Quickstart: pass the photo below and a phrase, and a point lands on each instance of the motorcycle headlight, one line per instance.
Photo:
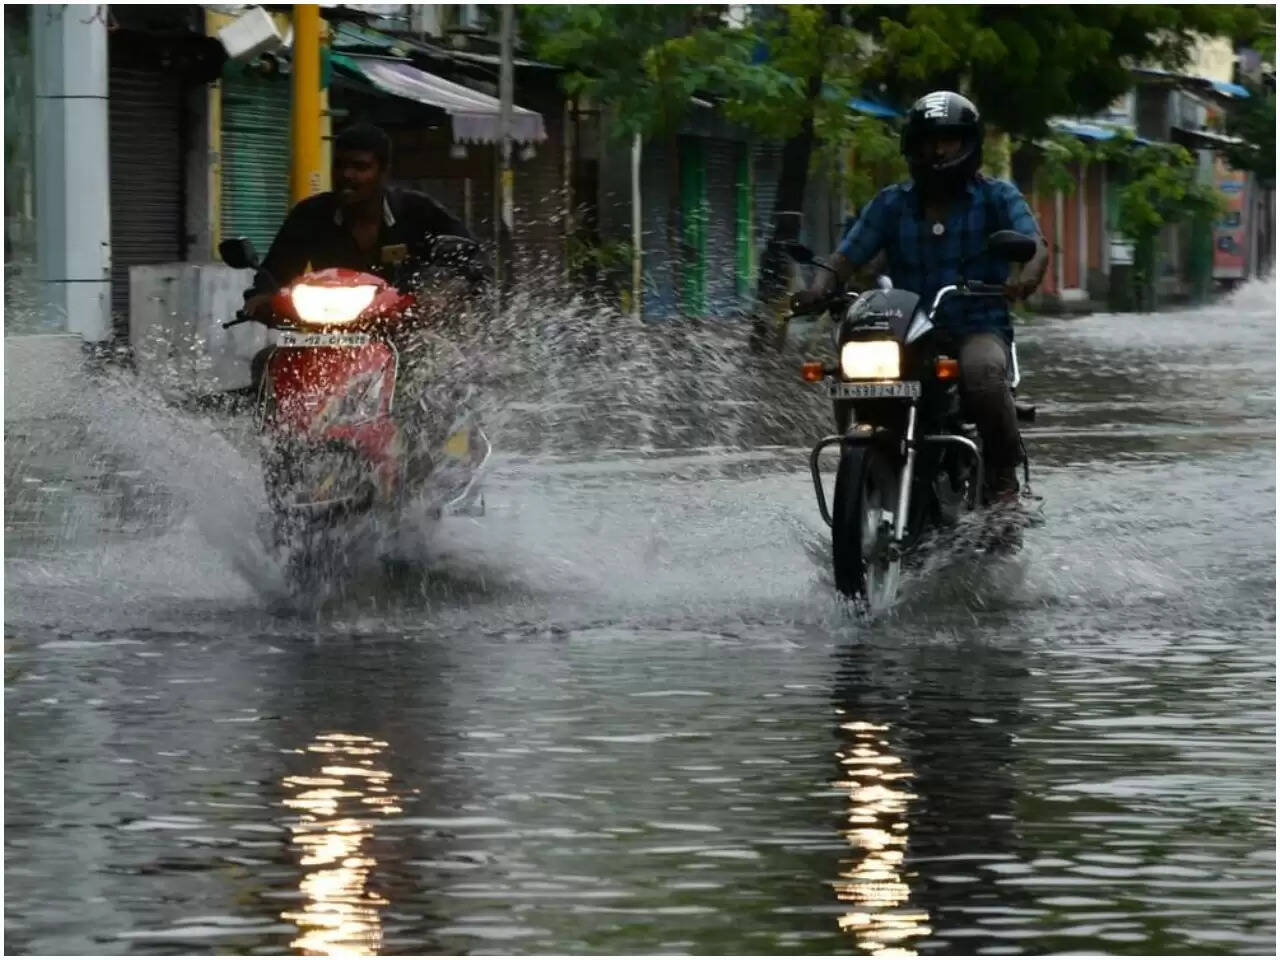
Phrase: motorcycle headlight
(331, 306)
(870, 360)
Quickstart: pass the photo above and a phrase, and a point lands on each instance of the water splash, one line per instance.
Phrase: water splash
(573, 382)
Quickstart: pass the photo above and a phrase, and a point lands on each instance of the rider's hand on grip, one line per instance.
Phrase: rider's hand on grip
(258, 307)
(807, 301)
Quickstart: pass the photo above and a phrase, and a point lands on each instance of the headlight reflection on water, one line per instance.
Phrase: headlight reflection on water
(340, 916)
(881, 920)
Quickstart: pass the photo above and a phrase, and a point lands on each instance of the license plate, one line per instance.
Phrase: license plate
(288, 338)
(902, 389)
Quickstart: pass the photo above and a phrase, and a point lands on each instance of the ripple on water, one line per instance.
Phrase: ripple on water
(625, 712)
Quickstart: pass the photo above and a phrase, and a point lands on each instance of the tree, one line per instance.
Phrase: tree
(615, 55)
(646, 63)
(1157, 185)
(1025, 63)
(788, 74)
(1254, 121)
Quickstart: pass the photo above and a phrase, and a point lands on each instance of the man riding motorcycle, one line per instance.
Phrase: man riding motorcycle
(922, 231)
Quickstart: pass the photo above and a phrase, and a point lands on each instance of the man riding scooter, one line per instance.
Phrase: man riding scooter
(362, 224)
(923, 230)
(377, 399)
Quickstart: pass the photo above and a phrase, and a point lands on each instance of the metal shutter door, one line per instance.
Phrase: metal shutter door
(145, 113)
(539, 202)
(661, 298)
(768, 164)
(694, 214)
(722, 204)
(255, 156)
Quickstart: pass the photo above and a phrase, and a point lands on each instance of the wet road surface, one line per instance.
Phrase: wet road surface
(623, 713)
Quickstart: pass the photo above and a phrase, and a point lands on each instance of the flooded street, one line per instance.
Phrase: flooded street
(623, 712)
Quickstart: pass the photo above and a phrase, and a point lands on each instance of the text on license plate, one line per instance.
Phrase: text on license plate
(904, 389)
(288, 338)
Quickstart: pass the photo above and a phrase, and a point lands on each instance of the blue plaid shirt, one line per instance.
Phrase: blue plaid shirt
(923, 260)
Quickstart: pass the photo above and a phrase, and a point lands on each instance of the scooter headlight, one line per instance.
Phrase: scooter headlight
(331, 306)
(870, 360)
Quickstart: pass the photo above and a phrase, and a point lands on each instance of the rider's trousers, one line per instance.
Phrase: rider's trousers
(988, 401)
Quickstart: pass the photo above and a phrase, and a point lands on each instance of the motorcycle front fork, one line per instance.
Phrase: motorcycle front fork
(910, 446)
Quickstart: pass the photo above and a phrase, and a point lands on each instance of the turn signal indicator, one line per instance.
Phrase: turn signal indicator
(947, 368)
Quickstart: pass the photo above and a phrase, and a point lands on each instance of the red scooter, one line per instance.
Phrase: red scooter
(351, 437)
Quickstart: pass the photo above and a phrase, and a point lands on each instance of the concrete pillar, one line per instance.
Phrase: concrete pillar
(1082, 226)
(1059, 246)
(73, 235)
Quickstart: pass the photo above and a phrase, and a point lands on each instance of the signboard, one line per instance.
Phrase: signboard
(1230, 255)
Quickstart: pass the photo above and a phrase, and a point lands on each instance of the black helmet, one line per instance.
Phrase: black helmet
(943, 113)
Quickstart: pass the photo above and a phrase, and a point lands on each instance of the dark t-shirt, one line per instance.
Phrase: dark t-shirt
(314, 233)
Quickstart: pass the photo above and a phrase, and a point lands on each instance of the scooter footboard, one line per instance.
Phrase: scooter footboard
(470, 501)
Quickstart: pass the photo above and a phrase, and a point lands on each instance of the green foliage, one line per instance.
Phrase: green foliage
(876, 158)
(1021, 63)
(1026, 63)
(1254, 121)
(996, 155)
(613, 55)
(1157, 183)
(1252, 25)
(611, 257)
(1060, 154)
(648, 61)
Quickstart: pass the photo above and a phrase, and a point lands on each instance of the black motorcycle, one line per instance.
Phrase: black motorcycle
(909, 462)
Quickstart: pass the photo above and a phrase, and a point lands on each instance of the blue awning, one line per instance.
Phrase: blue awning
(1230, 89)
(1085, 131)
(1197, 83)
(1089, 131)
(872, 108)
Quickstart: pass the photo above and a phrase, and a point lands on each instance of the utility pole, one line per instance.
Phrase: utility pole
(73, 228)
(305, 176)
(637, 234)
(505, 198)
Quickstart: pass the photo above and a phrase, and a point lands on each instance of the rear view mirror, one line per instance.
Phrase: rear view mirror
(238, 253)
(1011, 245)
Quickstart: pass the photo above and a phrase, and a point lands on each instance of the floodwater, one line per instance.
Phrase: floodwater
(623, 713)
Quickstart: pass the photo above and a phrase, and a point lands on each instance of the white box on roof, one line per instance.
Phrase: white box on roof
(250, 34)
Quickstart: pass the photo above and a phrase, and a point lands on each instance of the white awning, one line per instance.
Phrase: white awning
(473, 115)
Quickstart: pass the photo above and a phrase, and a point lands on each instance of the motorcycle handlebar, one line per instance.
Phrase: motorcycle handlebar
(972, 288)
(832, 301)
(985, 289)
(242, 317)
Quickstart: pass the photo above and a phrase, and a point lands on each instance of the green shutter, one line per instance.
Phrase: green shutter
(255, 155)
(693, 224)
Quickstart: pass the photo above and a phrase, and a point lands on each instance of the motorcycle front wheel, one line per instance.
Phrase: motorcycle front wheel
(866, 497)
